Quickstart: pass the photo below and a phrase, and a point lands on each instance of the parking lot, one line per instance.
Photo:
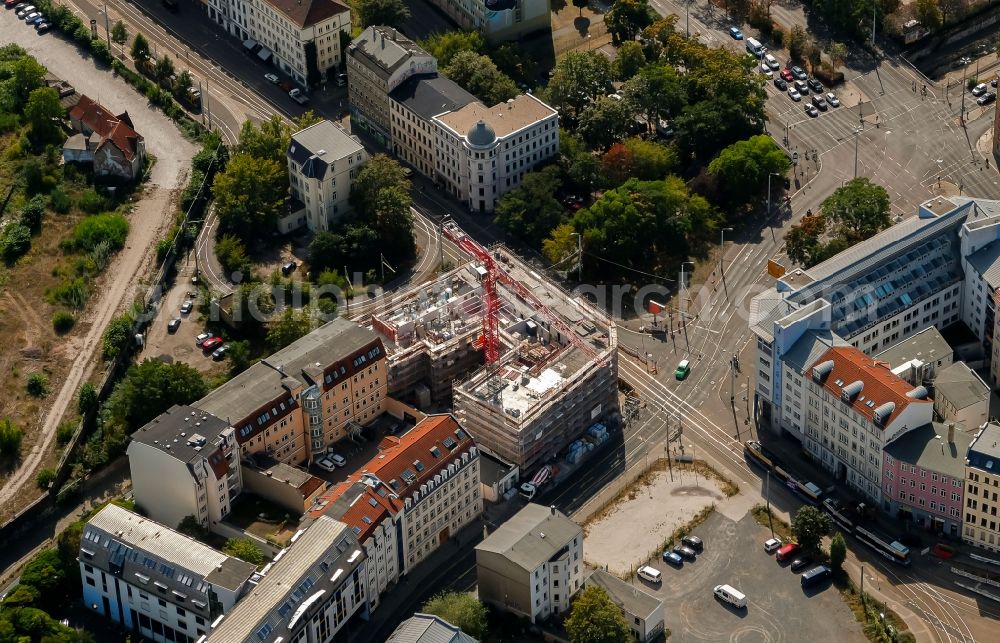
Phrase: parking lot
(777, 607)
(357, 452)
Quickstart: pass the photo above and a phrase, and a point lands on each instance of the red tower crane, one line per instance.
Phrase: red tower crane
(490, 340)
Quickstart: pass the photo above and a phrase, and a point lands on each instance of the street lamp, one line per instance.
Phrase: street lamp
(107, 29)
(722, 257)
(684, 283)
(579, 256)
(857, 132)
(770, 174)
(694, 464)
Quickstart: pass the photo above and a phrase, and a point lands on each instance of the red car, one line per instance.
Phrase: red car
(211, 343)
(786, 73)
(786, 551)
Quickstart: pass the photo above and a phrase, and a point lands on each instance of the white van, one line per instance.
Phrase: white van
(651, 574)
(731, 595)
(771, 62)
(754, 47)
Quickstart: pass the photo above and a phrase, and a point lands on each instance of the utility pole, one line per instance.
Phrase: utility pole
(204, 97)
(441, 245)
(769, 205)
(208, 105)
(857, 132)
(722, 258)
(107, 29)
(767, 497)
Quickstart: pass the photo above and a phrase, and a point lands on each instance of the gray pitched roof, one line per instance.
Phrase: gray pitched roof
(960, 385)
(629, 598)
(921, 447)
(319, 145)
(928, 346)
(986, 261)
(532, 536)
(426, 628)
(807, 350)
(383, 49)
(429, 95)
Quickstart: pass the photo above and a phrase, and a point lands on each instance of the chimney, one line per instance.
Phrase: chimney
(553, 509)
(951, 433)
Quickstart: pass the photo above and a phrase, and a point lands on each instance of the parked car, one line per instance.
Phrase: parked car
(731, 595)
(815, 576)
(650, 574)
(338, 459)
(986, 98)
(685, 552)
(771, 544)
(298, 96)
(802, 86)
(342, 81)
(766, 71)
(220, 352)
(32, 18)
(736, 33)
(800, 563)
(288, 268)
(772, 62)
(187, 306)
(811, 110)
(794, 94)
(211, 344)
(326, 464)
(786, 551)
(24, 10)
(815, 85)
(993, 83)
(271, 78)
(673, 559)
(798, 73)
(173, 325)
(787, 75)
(43, 26)
(781, 84)
(10, 4)
(832, 99)
(200, 339)
(819, 102)
(979, 89)
(693, 542)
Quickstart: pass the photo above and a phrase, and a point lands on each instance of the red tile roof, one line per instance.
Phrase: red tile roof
(116, 130)
(880, 385)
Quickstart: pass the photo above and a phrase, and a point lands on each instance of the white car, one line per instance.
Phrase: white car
(200, 339)
(271, 78)
(326, 464)
(979, 89)
(187, 306)
(794, 94)
(764, 69)
(615, 96)
(771, 544)
(833, 100)
(337, 459)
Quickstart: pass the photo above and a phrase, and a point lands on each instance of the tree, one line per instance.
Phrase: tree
(140, 48)
(46, 573)
(744, 167)
(809, 526)
(798, 42)
(657, 92)
(561, 243)
(68, 543)
(461, 610)
(480, 76)
(164, 67)
(38, 385)
(445, 46)
(150, 388)
(249, 195)
(838, 553)
(184, 83)
(617, 165)
(238, 356)
(738, 10)
(190, 526)
(381, 197)
(578, 78)
(232, 254)
(802, 240)
(651, 161)
(581, 4)
(392, 13)
(15, 241)
(23, 75)
(117, 335)
(838, 54)
(244, 549)
(87, 399)
(287, 328)
(10, 438)
(43, 111)
(929, 14)
(630, 60)
(269, 140)
(627, 18)
(530, 211)
(45, 478)
(33, 212)
(606, 121)
(119, 34)
(594, 618)
(860, 209)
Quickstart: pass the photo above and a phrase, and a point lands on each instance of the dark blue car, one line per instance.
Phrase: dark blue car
(736, 33)
(673, 559)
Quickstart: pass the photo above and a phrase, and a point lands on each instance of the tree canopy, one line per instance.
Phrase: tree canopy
(627, 18)
(657, 92)
(859, 208)
(594, 618)
(445, 46)
(809, 526)
(461, 610)
(290, 326)
(578, 78)
(249, 195)
(606, 121)
(151, 387)
(392, 13)
(381, 199)
(743, 167)
(530, 211)
(244, 549)
(838, 552)
(43, 110)
(479, 75)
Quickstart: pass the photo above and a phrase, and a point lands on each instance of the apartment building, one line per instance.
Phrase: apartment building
(498, 19)
(323, 161)
(982, 487)
(155, 582)
(307, 593)
(532, 565)
(484, 152)
(923, 477)
(290, 406)
(413, 105)
(408, 500)
(427, 628)
(856, 406)
(961, 396)
(379, 60)
(642, 610)
(186, 462)
(293, 35)
(923, 271)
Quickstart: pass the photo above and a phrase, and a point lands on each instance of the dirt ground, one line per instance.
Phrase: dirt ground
(624, 537)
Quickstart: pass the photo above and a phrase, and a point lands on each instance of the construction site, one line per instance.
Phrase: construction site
(524, 365)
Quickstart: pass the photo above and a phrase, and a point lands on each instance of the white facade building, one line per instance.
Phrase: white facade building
(323, 161)
(484, 152)
(155, 581)
(282, 31)
(185, 463)
(498, 19)
(412, 107)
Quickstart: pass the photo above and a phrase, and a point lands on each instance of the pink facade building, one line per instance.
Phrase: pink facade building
(923, 477)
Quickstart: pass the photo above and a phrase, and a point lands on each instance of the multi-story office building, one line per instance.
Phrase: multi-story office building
(498, 19)
(922, 477)
(323, 161)
(294, 35)
(306, 594)
(982, 489)
(292, 406)
(484, 152)
(378, 61)
(931, 269)
(854, 407)
(413, 105)
(409, 499)
(154, 581)
(532, 565)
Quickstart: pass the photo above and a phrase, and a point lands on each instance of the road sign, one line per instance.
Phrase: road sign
(775, 269)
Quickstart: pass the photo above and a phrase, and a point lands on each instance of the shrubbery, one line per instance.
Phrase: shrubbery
(92, 231)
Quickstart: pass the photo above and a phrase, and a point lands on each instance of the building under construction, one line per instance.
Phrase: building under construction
(556, 368)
